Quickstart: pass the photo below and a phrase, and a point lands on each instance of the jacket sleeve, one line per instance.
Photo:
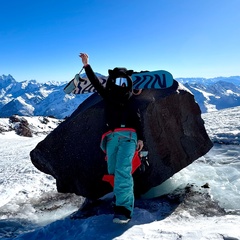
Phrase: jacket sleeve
(95, 81)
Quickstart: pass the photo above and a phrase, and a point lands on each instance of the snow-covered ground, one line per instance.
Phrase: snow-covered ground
(31, 208)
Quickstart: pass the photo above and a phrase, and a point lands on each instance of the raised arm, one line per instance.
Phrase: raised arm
(91, 75)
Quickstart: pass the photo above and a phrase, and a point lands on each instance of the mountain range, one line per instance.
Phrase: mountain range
(31, 98)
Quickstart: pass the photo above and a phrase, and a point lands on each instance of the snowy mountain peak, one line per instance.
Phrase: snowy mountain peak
(208, 81)
(6, 80)
(48, 99)
(215, 93)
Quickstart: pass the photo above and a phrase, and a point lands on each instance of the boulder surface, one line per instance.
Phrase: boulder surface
(174, 136)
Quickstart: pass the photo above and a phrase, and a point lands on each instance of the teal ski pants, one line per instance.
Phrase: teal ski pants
(120, 149)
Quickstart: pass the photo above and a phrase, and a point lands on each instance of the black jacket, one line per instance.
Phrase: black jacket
(120, 108)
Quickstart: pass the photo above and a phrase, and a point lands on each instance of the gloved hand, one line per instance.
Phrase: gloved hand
(85, 58)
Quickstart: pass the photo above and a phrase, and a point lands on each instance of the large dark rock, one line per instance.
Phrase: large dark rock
(174, 134)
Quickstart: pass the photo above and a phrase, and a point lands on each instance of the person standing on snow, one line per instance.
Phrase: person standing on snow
(124, 134)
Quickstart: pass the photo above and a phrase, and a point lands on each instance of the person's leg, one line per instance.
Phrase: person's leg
(111, 151)
(123, 183)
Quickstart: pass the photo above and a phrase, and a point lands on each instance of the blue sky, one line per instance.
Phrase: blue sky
(190, 38)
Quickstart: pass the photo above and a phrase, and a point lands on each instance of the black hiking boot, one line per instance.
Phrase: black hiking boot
(121, 215)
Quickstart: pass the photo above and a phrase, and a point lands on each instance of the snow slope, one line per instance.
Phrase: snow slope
(31, 208)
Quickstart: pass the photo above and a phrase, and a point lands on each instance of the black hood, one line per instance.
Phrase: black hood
(119, 95)
(116, 73)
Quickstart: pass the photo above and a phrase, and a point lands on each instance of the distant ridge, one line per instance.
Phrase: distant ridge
(30, 98)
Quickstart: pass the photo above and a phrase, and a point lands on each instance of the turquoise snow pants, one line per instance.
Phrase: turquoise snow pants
(120, 149)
